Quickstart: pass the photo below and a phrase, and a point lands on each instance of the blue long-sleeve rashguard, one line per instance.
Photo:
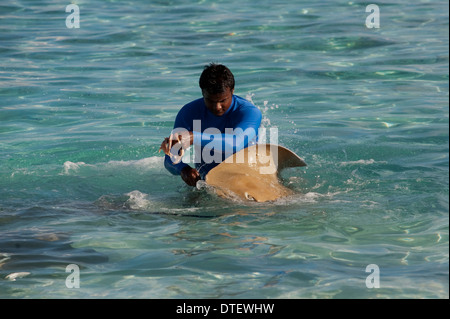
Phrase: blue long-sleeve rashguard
(216, 137)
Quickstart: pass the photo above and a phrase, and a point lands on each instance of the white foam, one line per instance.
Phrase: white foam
(141, 164)
(362, 162)
(265, 121)
(71, 166)
(137, 200)
(15, 275)
(3, 258)
(149, 162)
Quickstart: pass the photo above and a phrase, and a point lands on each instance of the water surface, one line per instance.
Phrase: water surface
(83, 112)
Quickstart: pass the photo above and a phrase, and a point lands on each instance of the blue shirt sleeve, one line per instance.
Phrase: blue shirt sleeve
(174, 169)
(181, 121)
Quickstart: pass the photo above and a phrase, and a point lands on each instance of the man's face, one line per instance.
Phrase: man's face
(218, 103)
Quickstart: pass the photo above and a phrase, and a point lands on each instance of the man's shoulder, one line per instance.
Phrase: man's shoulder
(245, 105)
(189, 112)
(198, 103)
(242, 101)
(192, 108)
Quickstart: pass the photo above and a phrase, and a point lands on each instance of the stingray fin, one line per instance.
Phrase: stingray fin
(252, 173)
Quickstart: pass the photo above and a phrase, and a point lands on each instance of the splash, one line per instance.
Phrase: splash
(137, 201)
(69, 167)
(265, 121)
(14, 276)
(142, 164)
(362, 162)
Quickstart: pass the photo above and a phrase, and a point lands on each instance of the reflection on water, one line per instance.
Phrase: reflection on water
(32, 249)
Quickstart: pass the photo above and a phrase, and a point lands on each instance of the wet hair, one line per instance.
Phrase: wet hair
(216, 78)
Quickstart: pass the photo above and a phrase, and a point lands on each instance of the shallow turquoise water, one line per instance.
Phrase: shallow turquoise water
(83, 112)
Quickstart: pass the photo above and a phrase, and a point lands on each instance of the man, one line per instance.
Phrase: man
(218, 125)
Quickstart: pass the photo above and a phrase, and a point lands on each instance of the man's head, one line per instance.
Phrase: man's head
(217, 84)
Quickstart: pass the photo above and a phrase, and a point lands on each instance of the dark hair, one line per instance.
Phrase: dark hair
(216, 78)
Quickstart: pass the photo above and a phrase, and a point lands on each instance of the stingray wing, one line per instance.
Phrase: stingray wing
(252, 173)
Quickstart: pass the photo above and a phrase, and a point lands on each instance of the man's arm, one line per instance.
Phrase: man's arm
(189, 175)
(182, 121)
(174, 169)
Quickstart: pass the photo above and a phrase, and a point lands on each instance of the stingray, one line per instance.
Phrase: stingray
(253, 173)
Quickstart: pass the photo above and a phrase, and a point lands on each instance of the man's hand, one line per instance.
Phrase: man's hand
(184, 139)
(190, 175)
(165, 146)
